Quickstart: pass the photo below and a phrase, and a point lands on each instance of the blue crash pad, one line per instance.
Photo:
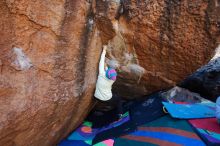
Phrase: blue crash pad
(190, 111)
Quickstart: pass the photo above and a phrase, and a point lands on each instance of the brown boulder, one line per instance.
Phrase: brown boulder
(50, 52)
(170, 39)
(49, 56)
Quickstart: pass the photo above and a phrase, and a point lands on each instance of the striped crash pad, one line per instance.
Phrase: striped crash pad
(164, 131)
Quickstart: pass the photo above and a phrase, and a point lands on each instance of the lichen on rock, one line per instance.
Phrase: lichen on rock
(21, 62)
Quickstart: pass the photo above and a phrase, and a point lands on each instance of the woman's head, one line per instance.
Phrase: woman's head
(111, 74)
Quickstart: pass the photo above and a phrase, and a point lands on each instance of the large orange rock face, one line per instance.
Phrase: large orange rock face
(170, 39)
(49, 55)
(50, 52)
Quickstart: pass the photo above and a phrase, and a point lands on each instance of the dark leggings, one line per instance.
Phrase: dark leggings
(115, 102)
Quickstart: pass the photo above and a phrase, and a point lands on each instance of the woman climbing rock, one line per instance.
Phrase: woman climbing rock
(106, 78)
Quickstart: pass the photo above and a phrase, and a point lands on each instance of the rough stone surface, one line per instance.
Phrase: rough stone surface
(48, 70)
(50, 52)
(206, 80)
(170, 39)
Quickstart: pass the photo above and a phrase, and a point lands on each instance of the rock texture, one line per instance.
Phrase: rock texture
(48, 70)
(50, 52)
(206, 80)
(170, 39)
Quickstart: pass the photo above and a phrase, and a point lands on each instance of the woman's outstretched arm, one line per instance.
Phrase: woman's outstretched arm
(102, 61)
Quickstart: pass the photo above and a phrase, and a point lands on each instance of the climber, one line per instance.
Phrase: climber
(106, 78)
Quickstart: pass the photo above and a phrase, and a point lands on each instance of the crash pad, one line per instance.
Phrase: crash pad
(86, 132)
(83, 132)
(208, 129)
(73, 143)
(182, 96)
(108, 142)
(147, 110)
(116, 129)
(163, 131)
(190, 111)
